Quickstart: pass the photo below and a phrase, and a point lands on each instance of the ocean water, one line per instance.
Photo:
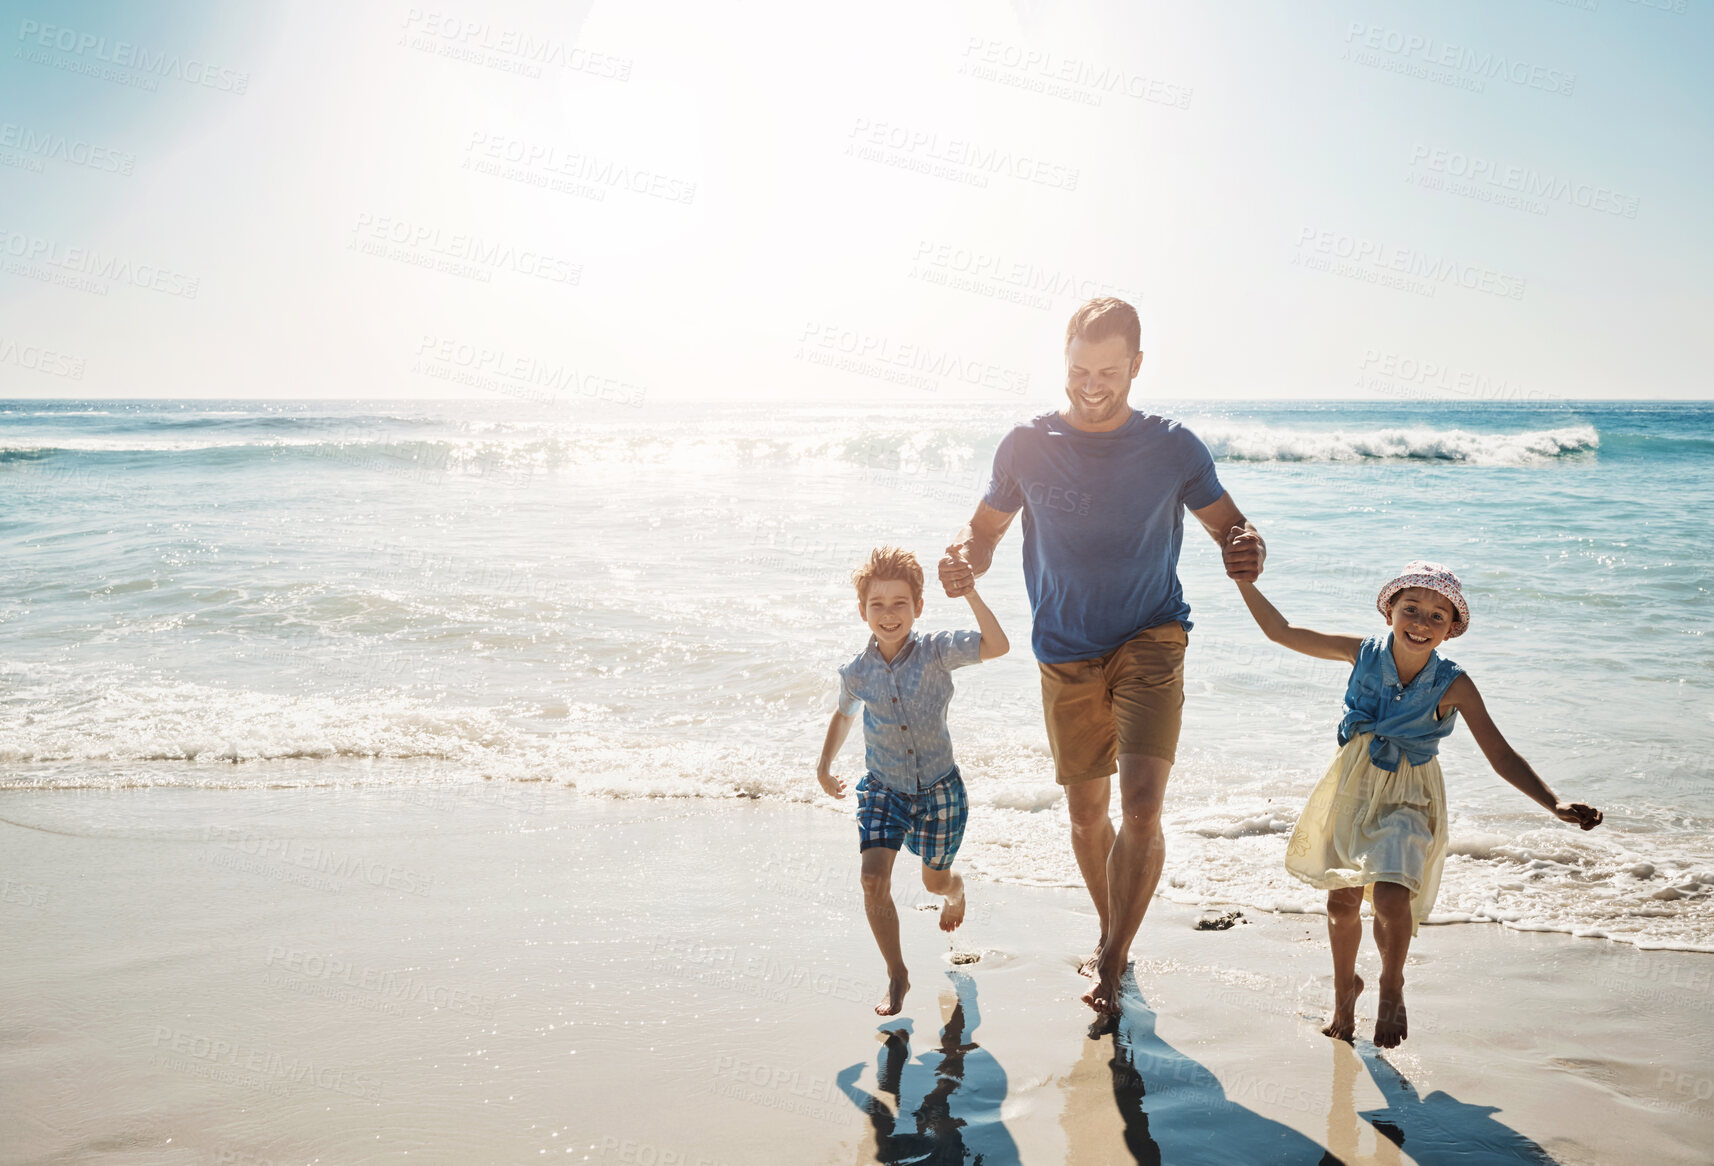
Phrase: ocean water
(633, 603)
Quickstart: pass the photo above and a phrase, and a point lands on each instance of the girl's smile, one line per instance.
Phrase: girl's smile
(1421, 619)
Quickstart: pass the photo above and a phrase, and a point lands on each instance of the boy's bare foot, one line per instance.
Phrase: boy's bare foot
(894, 1000)
(1343, 1026)
(952, 912)
(1391, 1026)
(1104, 996)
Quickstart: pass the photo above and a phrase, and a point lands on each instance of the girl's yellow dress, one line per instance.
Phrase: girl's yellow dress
(1365, 824)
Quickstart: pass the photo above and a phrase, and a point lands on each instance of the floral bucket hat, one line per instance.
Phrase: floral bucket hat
(1435, 577)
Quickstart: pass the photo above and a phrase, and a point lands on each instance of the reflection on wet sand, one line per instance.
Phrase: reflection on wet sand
(1171, 1107)
(962, 1088)
(1349, 1141)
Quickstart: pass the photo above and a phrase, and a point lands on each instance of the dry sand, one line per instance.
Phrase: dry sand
(523, 974)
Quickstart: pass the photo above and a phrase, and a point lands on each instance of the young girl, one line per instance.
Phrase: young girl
(1375, 826)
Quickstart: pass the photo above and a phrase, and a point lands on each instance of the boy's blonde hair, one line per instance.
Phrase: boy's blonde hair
(889, 563)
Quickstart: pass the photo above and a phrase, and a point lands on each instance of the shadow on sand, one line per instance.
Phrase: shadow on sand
(1172, 1108)
(961, 1085)
(1433, 1130)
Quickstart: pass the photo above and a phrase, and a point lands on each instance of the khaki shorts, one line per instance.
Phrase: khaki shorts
(1129, 701)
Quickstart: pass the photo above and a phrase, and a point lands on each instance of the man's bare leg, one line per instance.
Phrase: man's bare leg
(1133, 870)
(884, 922)
(1092, 842)
(1392, 936)
(946, 882)
(1344, 934)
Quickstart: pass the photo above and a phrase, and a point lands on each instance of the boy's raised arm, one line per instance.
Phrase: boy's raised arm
(1322, 645)
(994, 641)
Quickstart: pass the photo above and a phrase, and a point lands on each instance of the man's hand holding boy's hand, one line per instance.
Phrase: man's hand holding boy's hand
(956, 573)
(1588, 817)
(830, 783)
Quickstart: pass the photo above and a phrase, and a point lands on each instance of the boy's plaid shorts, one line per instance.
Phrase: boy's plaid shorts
(929, 823)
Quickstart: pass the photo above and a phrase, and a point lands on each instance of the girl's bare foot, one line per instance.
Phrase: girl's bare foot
(894, 1000)
(1343, 1026)
(952, 912)
(1390, 1022)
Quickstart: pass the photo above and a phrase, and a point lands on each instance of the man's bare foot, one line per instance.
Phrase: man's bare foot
(1391, 1026)
(1092, 962)
(1343, 1026)
(1104, 996)
(952, 912)
(894, 1000)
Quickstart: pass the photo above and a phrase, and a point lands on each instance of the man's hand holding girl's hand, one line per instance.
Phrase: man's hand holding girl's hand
(1243, 553)
(1587, 817)
(830, 783)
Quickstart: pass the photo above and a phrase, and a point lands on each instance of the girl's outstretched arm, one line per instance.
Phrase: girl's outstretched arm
(1506, 761)
(1322, 645)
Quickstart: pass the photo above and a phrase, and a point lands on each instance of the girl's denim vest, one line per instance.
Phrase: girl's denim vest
(1402, 717)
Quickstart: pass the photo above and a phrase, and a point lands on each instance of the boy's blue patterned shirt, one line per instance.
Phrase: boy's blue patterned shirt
(906, 743)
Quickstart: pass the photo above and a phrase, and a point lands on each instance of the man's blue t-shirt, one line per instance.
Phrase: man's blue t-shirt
(1103, 523)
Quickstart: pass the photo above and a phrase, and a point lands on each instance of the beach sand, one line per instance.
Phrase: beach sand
(522, 973)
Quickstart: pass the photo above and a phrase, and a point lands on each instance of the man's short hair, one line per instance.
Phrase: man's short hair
(889, 563)
(1103, 319)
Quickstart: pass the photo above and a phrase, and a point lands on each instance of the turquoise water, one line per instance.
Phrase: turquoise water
(652, 603)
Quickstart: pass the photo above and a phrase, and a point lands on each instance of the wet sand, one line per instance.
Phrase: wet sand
(520, 973)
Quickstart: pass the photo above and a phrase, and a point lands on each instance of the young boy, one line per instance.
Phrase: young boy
(912, 793)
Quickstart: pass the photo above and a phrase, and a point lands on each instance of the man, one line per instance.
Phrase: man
(1103, 489)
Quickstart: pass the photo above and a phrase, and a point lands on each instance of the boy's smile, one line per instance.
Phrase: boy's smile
(890, 611)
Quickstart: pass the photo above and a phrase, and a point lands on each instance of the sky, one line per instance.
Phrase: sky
(761, 200)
